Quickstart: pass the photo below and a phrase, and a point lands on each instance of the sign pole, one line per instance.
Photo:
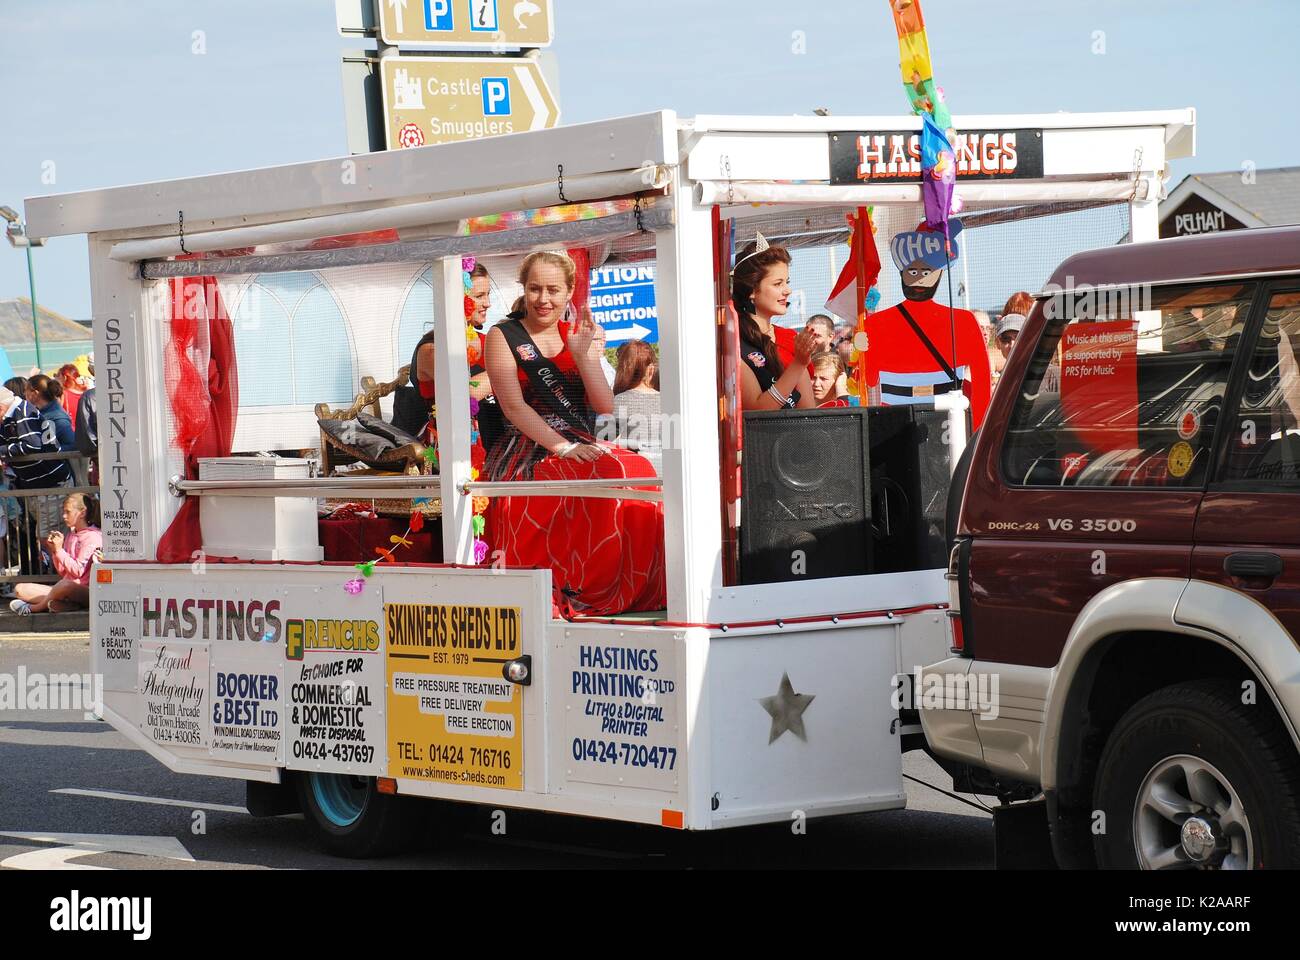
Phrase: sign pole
(36, 326)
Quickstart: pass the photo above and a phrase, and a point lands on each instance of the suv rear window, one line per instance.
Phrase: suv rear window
(1263, 443)
(1126, 386)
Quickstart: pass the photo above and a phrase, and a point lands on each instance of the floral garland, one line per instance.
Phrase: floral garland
(478, 522)
(478, 455)
(871, 301)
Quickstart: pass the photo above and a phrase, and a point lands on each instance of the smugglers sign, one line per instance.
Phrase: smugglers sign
(440, 99)
(894, 156)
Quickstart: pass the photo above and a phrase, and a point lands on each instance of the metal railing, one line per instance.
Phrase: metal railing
(29, 516)
(370, 487)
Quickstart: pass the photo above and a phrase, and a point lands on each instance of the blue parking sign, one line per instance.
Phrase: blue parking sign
(496, 97)
(437, 16)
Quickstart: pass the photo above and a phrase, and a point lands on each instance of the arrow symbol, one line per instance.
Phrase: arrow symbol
(398, 7)
(74, 845)
(634, 332)
(540, 103)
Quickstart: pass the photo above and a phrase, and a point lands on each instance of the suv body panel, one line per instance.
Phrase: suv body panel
(1036, 608)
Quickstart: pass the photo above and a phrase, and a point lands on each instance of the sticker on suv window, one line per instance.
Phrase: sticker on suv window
(1189, 425)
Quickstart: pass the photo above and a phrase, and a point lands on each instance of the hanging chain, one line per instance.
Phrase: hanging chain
(560, 167)
(180, 217)
(640, 218)
(726, 172)
(1137, 173)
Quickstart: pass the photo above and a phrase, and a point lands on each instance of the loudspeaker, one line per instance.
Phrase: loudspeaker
(911, 469)
(805, 495)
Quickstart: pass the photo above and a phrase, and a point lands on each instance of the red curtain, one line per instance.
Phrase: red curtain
(581, 258)
(203, 387)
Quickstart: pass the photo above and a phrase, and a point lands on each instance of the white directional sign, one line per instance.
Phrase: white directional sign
(466, 23)
(441, 99)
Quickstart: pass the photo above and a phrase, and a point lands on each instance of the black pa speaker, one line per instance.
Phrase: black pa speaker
(806, 495)
(911, 470)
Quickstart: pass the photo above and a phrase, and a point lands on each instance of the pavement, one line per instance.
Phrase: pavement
(77, 621)
(74, 791)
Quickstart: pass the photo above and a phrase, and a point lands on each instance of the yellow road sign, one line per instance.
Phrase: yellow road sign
(466, 23)
(440, 99)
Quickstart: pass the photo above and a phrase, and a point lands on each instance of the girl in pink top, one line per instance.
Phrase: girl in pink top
(73, 556)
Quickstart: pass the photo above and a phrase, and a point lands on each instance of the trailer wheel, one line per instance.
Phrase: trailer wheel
(350, 817)
(1193, 779)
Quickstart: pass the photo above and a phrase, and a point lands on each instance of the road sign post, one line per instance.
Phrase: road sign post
(441, 99)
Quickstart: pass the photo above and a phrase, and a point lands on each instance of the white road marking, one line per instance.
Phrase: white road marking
(73, 845)
(160, 801)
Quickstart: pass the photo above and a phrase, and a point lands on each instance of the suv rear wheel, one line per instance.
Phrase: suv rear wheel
(1193, 778)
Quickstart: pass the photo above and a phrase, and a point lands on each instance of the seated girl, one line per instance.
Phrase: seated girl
(606, 556)
(760, 290)
(73, 556)
(827, 377)
(413, 407)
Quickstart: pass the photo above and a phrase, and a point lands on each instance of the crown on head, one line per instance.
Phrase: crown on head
(760, 244)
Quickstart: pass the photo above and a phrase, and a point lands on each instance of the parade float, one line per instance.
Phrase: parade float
(235, 641)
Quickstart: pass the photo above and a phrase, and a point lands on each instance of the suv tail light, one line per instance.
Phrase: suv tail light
(958, 636)
(958, 568)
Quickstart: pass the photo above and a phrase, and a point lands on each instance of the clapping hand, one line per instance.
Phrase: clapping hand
(805, 344)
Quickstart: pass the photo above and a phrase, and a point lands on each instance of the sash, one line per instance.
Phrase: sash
(929, 345)
(547, 379)
(756, 360)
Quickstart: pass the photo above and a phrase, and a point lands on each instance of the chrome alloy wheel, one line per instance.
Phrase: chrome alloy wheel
(1187, 816)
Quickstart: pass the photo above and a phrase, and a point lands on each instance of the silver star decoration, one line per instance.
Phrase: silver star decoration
(786, 710)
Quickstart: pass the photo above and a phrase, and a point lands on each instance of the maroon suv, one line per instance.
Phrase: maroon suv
(1126, 561)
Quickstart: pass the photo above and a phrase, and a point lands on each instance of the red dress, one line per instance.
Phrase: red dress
(605, 556)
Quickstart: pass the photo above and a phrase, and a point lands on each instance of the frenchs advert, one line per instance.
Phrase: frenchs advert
(334, 668)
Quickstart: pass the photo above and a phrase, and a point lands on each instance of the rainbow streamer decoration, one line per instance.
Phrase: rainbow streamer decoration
(938, 160)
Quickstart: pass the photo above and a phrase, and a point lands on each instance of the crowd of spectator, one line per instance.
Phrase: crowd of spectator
(48, 534)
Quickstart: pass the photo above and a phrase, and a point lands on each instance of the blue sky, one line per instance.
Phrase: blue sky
(100, 93)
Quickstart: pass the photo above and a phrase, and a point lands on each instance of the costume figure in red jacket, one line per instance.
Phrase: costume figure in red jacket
(898, 359)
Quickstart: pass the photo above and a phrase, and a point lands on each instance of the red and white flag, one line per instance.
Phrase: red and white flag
(843, 301)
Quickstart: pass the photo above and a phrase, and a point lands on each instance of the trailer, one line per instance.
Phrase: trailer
(353, 693)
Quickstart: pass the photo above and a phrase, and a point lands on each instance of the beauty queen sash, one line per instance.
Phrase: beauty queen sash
(557, 386)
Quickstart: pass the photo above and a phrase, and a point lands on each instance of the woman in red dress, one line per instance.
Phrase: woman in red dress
(606, 556)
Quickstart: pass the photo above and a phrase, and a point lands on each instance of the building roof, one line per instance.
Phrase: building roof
(16, 324)
(1269, 198)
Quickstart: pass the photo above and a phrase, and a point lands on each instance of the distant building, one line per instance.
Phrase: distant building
(1232, 200)
(62, 339)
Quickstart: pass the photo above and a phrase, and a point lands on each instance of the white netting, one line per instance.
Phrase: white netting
(1002, 249)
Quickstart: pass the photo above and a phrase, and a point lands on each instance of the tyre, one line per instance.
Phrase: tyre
(1192, 778)
(350, 817)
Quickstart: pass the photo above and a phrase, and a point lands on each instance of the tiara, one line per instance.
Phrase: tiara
(760, 244)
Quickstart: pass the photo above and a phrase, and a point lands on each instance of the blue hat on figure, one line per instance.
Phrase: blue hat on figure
(925, 245)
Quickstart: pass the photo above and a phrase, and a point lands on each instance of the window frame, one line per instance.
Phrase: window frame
(1262, 287)
(1237, 384)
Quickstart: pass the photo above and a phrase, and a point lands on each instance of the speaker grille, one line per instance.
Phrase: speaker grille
(806, 506)
(911, 471)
